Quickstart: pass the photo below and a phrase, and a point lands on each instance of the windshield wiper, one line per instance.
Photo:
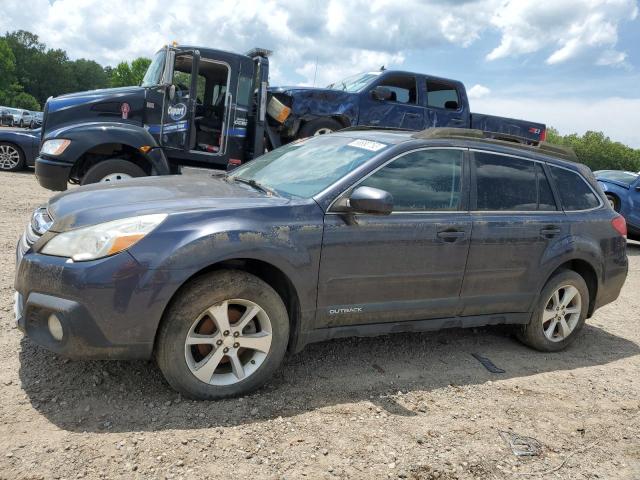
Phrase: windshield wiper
(251, 182)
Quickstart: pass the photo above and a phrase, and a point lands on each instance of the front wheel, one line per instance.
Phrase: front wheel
(112, 170)
(614, 202)
(223, 336)
(11, 157)
(561, 312)
(321, 126)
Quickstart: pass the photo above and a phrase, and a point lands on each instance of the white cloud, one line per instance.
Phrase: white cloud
(478, 91)
(568, 29)
(616, 117)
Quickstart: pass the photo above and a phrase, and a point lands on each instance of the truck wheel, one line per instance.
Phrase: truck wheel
(614, 202)
(561, 312)
(321, 126)
(11, 157)
(223, 336)
(112, 170)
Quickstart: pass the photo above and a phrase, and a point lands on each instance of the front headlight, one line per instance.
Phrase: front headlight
(54, 147)
(102, 240)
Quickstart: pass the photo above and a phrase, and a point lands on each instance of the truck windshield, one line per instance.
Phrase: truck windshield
(154, 72)
(354, 83)
(306, 167)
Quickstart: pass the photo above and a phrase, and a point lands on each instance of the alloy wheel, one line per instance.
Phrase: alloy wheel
(115, 177)
(561, 313)
(9, 157)
(228, 342)
(322, 131)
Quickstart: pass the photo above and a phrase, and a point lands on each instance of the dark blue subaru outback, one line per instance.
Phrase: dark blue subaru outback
(361, 232)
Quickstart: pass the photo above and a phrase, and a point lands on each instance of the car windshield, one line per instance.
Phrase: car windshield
(154, 72)
(306, 167)
(617, 176)
(354, 83)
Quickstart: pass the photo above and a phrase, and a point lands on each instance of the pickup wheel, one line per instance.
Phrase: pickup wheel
(321, 126)
(11, 157)
(561, 312)
(614, 202)
(112, 170)
(224, 335)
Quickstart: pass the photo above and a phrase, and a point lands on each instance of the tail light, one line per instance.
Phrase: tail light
(543, 135)
(233, 163)
(620, 225)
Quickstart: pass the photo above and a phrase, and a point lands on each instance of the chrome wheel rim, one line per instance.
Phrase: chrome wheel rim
(561, 313)
(228, 342)
(115, 177)
(322, 131)
(9, 157)
(612, 202)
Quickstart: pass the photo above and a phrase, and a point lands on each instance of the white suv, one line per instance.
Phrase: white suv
(22, 118)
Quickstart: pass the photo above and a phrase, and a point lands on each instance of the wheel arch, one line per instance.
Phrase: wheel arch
(108, 150)
(588, 272)
(265, 271)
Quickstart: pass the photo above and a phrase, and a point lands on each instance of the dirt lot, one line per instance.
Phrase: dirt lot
(407, 406)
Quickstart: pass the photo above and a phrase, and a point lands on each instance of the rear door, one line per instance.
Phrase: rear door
(405, 266)
(403, 110)
(515, 221)
(446, 104)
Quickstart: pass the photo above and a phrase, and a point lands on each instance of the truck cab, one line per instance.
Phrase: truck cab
(195, 106)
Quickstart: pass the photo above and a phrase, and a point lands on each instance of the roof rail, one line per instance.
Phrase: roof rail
(499, 138)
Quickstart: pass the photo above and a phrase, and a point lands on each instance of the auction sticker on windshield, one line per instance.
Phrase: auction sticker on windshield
(367, 145)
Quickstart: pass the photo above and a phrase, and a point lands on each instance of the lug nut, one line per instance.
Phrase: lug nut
(226, 333)
(236, 334)
(219, 342)
(226, 349)
(236, 345)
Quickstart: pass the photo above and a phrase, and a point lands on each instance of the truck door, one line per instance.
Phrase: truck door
(393, 101)
(180, 99)
(446, 105)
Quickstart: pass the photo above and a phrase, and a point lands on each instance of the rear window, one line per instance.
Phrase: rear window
(508, 183)
(442, 95)
(575, 193)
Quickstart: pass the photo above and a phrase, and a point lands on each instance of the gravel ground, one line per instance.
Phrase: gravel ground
(415, 406)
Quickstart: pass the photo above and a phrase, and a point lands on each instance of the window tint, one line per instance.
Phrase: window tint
(574, 192)
(403, 88)
(424, 180)
(507, 183)
(442, 95)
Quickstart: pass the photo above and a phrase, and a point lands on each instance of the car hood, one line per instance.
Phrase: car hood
(93, 204)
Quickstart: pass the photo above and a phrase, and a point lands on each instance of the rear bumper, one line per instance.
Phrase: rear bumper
(52, 174)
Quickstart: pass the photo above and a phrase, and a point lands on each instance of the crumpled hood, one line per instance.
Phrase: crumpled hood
(318, 101)
(104, 202)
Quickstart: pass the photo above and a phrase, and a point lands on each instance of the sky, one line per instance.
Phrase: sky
(572, 64)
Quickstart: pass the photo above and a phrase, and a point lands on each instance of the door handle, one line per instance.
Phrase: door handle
(413, 115)
(451, 235)
(550, 231)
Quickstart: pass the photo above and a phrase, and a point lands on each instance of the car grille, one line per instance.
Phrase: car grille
(40, 222)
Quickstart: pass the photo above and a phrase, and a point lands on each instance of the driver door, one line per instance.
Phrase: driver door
(179, 103)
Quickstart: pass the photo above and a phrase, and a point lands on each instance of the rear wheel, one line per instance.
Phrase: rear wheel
(224, 335)
(560, 315)
(321, 126)
(112, 170)
(11, 157)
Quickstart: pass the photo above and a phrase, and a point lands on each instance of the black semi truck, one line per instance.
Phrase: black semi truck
(210, 108)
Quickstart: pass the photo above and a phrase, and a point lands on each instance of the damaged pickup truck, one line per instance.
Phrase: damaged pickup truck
(390, 99)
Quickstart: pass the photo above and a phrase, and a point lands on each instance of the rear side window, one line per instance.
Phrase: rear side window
(511, 184)
(442, 95)
(575, 193)
(422, 181)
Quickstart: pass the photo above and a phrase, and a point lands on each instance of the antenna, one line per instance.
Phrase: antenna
(315, 72)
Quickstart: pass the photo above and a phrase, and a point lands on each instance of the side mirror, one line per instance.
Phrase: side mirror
(169, 62)
(381, 93)
(371, 200)
(172, 92)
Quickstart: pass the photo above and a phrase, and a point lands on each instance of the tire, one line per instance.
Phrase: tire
(21, 124)
(11, 157)
(614, 202)
(533, 334)
(321, 126)
(187, 317)
(112, 170)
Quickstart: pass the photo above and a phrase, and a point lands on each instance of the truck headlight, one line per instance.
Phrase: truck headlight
(54, 147)
(102, 240)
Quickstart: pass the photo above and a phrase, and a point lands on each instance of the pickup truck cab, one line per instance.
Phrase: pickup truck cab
(392, 99)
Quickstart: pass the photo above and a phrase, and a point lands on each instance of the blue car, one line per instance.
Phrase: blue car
(623, 192)
(18, 149)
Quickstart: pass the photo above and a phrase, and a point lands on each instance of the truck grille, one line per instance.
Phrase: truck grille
(40, 222)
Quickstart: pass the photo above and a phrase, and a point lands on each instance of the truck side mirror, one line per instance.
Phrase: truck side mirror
(172, 92)
(381, 93)
(371, 200)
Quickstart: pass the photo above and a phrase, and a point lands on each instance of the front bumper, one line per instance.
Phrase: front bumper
(52, 174)
(108, 308)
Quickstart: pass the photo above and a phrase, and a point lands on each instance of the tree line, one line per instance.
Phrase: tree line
(30, 72)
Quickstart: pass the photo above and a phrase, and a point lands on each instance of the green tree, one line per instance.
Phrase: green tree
(88, 75)
(125, 74)
(7, 66)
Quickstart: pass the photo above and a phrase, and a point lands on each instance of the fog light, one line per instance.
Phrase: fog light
(55, 327)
